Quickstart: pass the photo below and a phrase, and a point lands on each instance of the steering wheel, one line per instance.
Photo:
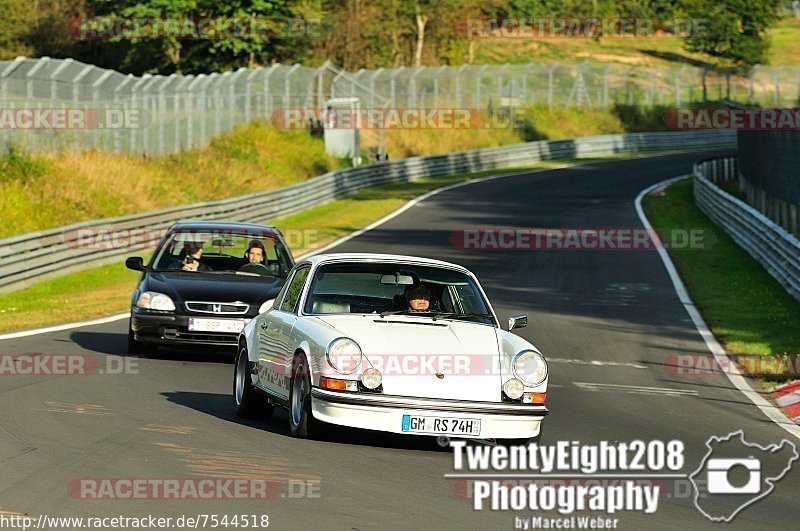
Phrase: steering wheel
(259, 269)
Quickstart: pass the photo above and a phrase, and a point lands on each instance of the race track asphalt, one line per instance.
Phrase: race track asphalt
(608, 320)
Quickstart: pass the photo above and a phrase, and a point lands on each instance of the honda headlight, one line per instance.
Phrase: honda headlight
(530, 367)
(150, 300)
(344, 355)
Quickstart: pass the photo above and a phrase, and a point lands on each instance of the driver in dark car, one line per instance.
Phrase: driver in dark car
(255, 258)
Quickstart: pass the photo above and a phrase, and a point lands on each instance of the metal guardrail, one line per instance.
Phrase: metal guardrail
(775, 248)
(34, 256)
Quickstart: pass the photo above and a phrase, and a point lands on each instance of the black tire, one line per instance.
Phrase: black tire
(302, 423)
(135, 348)
(247, 403)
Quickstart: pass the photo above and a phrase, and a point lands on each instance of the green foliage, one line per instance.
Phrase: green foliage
(15, 17)
(20, 167)
(733, 30)
(366, 33)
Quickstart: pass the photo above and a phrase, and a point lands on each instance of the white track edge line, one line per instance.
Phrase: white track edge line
(67, 326)
(734, 375)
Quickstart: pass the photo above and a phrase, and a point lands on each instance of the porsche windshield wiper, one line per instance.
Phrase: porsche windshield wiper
(440, 315)
(435, 314)
(398, 312)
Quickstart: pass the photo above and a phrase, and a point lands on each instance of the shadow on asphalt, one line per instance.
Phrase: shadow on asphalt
(117, 345)
(102, 342)
(221, 406)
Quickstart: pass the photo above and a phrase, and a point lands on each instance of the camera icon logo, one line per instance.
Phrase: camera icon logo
(718, 481)
(735, 474)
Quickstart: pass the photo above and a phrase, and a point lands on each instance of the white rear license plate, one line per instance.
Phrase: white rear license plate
(231, 326)
(441, 425)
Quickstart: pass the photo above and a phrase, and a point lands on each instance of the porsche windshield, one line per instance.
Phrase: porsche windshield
(223, 251)
(395, 289)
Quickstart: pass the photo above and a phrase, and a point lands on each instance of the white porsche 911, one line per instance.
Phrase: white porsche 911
(391, 343)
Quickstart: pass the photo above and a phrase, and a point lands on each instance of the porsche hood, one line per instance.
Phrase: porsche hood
(420, 357)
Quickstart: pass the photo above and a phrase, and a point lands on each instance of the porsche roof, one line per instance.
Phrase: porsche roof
(375, 257)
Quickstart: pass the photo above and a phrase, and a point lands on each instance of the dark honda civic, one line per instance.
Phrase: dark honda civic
(204, 282)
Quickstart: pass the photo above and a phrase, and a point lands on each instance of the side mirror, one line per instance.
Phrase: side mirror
(266, 306)
(136, 263)
(517, 321)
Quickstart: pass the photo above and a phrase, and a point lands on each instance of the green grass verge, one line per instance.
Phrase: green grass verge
(106, 290)
(646, 51)
(745, 308)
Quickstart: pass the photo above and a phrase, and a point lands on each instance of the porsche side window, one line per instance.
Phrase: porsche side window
(294, 289)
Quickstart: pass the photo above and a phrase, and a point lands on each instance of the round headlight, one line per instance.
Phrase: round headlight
(371, 378)
(344, 355)
(513, 388)
(266, 306)
(530, 367)
(150, 300)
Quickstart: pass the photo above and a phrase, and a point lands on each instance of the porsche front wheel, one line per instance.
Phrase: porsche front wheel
(302, 423)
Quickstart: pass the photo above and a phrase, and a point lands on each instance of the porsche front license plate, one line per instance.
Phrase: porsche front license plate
(233, 326)
(441, 425)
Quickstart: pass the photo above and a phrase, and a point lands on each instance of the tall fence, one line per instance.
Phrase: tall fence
(48, 104)
(774, 247)
(591, 85)
(30, 257)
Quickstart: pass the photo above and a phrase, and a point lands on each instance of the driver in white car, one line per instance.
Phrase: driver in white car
(418, 297)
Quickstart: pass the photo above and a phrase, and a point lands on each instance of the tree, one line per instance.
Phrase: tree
(201, 36)
(16, 16)
(733, 30)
